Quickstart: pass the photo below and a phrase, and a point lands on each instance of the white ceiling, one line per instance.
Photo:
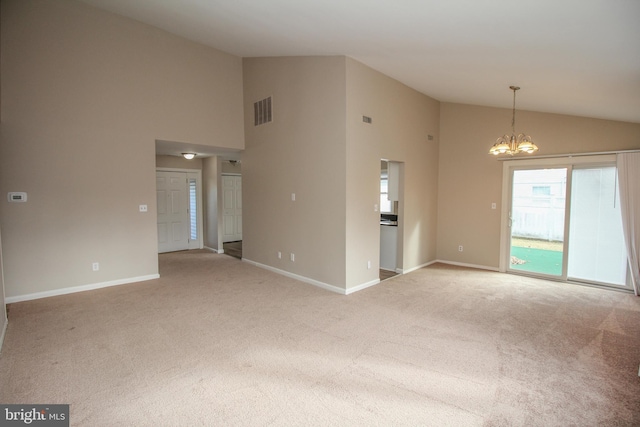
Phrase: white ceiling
(577, 57)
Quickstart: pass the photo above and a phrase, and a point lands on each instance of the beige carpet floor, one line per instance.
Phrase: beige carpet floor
(216, 341)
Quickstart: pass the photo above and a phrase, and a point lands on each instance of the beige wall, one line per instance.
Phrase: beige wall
(229, 168)
(470, 179)
(303, 152)
(402, 120)
(85, 94)
(178, 162)
(319, 148)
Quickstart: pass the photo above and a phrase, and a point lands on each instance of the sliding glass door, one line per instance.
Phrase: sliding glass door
(564, 222)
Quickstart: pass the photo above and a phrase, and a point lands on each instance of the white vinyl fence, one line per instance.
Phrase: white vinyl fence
(538, 205)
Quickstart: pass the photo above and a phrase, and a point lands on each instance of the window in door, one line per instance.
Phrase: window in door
(193, 209)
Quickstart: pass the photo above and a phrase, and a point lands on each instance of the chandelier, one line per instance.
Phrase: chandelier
(513, 144)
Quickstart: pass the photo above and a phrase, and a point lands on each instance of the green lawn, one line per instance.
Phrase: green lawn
(538, 260)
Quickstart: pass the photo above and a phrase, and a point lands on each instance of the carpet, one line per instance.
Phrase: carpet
(216, 341)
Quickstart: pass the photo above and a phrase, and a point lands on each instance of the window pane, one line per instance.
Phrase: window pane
(596, 243)
(385, 204)
(193, 213)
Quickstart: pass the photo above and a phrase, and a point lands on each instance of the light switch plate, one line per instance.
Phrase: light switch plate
(17, 196)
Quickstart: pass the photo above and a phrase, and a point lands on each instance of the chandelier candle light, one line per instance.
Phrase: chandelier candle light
(513, 144)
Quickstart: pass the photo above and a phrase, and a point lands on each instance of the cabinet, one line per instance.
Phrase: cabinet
(388, 247)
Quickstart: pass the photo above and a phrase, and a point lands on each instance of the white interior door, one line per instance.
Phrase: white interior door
(173, 216)
(231, 208)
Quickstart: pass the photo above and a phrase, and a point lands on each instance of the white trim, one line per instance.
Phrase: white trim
(554, 156)
(463, 264)
(300, 278)
(166, 169)
(561, 161)
(418, 267)
(218, 251)
(81, 288)
(4, 332)
(362, 286)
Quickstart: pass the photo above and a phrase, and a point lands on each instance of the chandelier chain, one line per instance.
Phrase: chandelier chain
(513, 117)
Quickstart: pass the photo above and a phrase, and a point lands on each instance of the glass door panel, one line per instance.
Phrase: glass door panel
(596, 243)
(537, 221)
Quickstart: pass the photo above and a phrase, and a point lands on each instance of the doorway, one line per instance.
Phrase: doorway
(391, 190)
(563, 222)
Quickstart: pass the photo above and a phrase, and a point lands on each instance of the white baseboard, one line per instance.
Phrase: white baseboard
(74, 289)
(462, 264)
(362, 286)
(4, 331)
(300, 278)
(418, 267)
(218, 251)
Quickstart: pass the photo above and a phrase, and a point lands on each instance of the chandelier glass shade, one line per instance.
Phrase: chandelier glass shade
(513, 144)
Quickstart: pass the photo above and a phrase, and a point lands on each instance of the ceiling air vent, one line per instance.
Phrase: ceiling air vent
(262, 112)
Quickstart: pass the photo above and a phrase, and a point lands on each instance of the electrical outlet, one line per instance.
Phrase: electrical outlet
(293, 197)
(493, 205)
(95, 266)
(460, 248)
(293, 257)
(143, 208)
(279, 255)
(369, 264)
